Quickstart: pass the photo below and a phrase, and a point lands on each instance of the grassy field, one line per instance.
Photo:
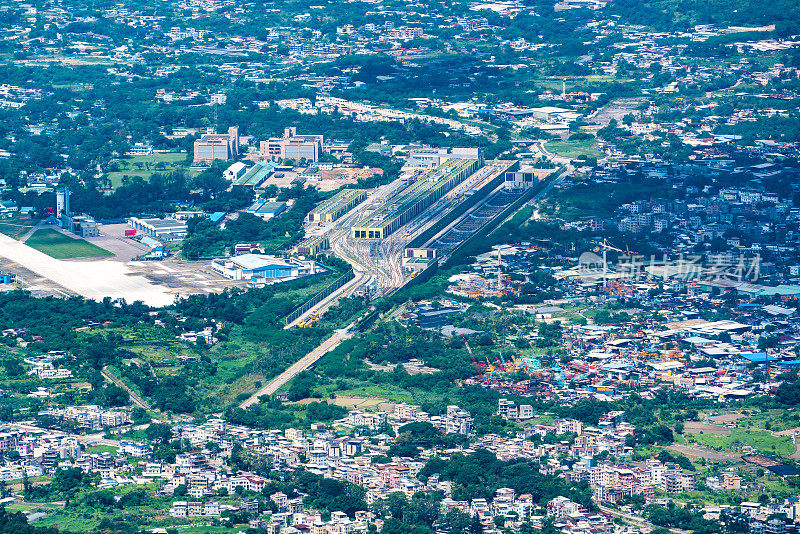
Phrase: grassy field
(69, 521)
(99, 449)
(144, 166)
(761, 440)
(574, 149)
(60, 246)
(774, 420)
(16, 226)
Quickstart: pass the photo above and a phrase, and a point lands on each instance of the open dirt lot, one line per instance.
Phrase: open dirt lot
(726, 418)
(616, 109)
(411, 368)
(336, 178)
(184, 277)
(694, 452)
(362, 403)
(695, 427)
(38, 285)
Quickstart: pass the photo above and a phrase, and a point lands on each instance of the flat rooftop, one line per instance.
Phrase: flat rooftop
(164, 223)
(414, 192)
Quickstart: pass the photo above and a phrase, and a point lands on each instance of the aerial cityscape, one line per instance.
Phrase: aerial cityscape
(400, 267)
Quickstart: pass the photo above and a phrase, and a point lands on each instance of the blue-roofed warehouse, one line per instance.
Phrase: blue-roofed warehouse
(258, 268)
(758, 357)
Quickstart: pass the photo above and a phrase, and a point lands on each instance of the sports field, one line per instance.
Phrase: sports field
(62, 247)
(145, 166)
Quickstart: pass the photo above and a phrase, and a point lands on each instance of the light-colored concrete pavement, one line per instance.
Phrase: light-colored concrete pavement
(91, 279)
(323, 305)
(300, 365)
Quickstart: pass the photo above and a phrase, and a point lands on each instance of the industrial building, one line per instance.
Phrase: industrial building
(82, 225)
(157, 250)
(313, 245)
(433, 157)
(217, 146)
(414, 198)
(261, 269)
(266, 209)
(337, 205)
(256, 174)
(525, 178)
(418, 259)
(339, 148)
(235, 171)
(161, 229)
(292, 146)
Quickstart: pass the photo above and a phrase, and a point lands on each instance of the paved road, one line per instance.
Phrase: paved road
(108, 375)
(300, 365)
(30, 232)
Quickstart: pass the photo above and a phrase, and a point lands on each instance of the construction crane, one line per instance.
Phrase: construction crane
(532, 364)
(500, 268)
(606, 247)
(481, 370)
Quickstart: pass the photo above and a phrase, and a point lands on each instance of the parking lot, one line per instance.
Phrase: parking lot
(112, 238)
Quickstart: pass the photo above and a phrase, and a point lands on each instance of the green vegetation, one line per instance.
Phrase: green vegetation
(144, 167)
(99, 449)
(59, 246)
(762, 441)
(171, 375)
(601, 199)
(16, 226)
(683, 518)
(17, 523)
(206, 239)
(574, 149)
(480, 474)
(124, 510)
